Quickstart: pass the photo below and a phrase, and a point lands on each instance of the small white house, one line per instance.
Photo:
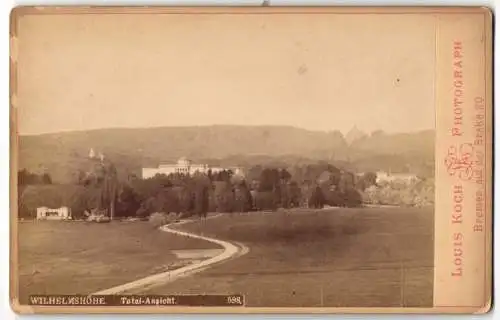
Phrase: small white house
(44, 213)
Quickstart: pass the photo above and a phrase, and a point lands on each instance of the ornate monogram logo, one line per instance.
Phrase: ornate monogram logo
(459, 161)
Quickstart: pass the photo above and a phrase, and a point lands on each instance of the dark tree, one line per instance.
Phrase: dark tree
(269, 179)
(46, 179)
(151, 187)
(108, 181)
(346, 181)
(370, 179)
(264, 200)
(224, 175)
(297, 173)
(254, 173)
(24, 177)
(317, 199)
(243, 197)
(166, 201)
(224, 196)
(265, 181)
(146, 207)
(128, 202)
(201, 200)
(81, 178)
(283, 191)
(294, 194)
(313, 171)
(284, 175)
(186, 200)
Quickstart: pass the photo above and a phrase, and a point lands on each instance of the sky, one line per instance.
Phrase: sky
(318, 72)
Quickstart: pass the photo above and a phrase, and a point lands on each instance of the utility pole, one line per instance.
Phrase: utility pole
(402, 284)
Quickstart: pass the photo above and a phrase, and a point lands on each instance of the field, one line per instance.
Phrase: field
(81, 258)
(370, 257)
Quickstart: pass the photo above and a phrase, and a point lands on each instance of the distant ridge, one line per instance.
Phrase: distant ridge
(163, 128)
(107, 129)
(132, 148)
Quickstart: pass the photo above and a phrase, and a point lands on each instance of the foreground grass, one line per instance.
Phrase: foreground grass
(81, 258)
(369, 257)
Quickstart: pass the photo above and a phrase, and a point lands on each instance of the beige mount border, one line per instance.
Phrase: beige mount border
(469, 15)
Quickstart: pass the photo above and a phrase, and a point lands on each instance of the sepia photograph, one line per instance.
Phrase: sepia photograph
(274, 160)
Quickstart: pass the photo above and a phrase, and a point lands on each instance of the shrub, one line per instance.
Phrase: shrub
(159, 219)
(416, 194)
(333, 198)
(146, 208)
(352, 198)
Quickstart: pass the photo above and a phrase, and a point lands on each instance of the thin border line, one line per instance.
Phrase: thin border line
(248, 10)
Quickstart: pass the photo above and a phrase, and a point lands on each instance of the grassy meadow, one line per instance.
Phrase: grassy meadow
(57, 257)
(368, 257)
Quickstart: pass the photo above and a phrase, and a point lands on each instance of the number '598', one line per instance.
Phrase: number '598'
(234, 300)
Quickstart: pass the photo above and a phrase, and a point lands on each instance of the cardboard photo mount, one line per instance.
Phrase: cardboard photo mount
(463, 151)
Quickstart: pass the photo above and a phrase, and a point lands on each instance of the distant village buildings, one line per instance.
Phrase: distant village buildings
(407, 178)
(185, 166)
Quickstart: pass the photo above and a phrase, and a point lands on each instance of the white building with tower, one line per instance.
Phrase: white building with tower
(94, 155)
(185, 166)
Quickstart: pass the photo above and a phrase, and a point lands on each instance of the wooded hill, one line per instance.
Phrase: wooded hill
(63, 154)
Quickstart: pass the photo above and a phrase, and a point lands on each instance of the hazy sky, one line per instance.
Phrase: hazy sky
(319, 72)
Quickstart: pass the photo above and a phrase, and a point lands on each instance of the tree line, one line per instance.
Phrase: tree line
(25, 177)
(262, 189)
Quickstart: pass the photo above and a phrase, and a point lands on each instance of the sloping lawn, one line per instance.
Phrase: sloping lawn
(81, 257)
(368, 257)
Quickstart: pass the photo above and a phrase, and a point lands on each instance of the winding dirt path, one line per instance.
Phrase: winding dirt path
(231, 251)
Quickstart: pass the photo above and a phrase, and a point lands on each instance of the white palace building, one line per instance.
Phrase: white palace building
(185, 166)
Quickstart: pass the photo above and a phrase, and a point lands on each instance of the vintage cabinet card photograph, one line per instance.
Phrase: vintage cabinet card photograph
(251, 159)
